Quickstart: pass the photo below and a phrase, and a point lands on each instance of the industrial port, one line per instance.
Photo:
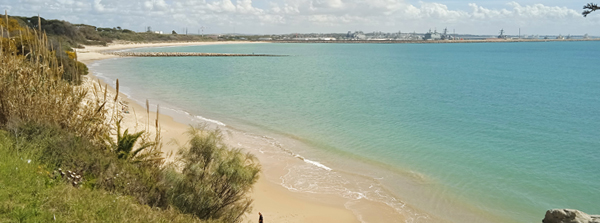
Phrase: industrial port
(432, 35)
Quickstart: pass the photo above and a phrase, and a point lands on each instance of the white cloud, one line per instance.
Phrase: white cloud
(98, 6)
(543, 12)
(286, 16)
(328, 3)
(245, 7)
(222, 6)
(440, 11)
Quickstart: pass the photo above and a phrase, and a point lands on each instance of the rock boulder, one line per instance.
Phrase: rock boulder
(569, 216)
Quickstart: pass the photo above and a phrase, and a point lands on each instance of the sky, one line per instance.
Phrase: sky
(541, 17)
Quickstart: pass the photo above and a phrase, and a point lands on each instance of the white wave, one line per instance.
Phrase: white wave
(354, 195)
(311, 162)
(210, 120)
(124, 50)
(176, 110)
(317, 164)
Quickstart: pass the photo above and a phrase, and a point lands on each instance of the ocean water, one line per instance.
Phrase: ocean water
(482, 132)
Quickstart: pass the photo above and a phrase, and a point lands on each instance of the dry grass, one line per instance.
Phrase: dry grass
(32, 88)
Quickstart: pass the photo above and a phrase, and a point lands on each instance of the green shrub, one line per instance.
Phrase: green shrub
(214, 180)
(82, 68)
(100, 168)
(29, 192)
(125, 142)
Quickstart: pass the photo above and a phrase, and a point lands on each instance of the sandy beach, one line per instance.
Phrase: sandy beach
(275, 202)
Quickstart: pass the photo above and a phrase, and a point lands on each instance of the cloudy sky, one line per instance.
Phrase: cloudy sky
(543, 17)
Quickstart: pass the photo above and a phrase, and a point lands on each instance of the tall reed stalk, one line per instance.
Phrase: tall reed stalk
(32, 88)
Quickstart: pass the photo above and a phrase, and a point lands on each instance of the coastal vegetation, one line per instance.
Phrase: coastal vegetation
(65, 157)
(22, 41)
(75, 35)
(214, 178)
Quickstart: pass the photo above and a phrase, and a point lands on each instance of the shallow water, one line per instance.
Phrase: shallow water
(496, 132)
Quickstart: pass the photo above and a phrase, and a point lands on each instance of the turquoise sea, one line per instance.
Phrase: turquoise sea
(481, 132)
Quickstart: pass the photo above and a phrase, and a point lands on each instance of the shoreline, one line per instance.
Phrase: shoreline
(306, 182)
(428, 41)
(313, 183)
(276, 202)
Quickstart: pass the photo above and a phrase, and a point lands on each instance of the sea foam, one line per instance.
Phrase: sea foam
(320, 165)
(210, 120)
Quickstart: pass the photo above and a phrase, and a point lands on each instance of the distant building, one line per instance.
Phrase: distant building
(358, 35)
(446, 36)
(265, 39)
(158, 32)
(502, 36)
(432, 35)
(314, 39)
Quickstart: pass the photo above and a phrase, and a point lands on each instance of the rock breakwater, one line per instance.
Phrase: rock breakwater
(186, 54)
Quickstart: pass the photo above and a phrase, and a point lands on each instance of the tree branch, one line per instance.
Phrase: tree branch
(589, 8)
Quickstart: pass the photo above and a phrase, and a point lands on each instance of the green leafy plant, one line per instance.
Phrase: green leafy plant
(125, 142)
(210, 180)
(32, 190)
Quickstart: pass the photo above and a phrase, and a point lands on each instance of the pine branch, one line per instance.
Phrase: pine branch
(589, 8)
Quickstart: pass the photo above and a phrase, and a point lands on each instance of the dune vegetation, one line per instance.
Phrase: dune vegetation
(65, 157)
(75, 35)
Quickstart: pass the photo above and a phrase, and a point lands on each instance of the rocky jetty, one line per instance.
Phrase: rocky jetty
(569, 216)
(185, 54)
